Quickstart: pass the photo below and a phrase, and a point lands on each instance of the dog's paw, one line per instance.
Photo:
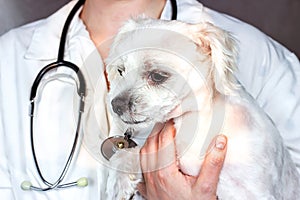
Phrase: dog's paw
(124, 174)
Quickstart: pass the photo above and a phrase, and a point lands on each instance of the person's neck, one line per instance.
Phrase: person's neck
(103, 18)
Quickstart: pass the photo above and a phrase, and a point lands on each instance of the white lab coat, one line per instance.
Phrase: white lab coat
(267, 70)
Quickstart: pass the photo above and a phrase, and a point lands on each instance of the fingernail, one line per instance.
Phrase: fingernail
(221, 142)
(170, 127)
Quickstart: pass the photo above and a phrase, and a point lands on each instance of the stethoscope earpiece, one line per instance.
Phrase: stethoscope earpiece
(26, 185)
(82, 182)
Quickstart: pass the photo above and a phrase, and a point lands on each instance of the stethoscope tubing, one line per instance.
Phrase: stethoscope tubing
(81, 92)
(61, 50)
(66, 167)
(54, 65)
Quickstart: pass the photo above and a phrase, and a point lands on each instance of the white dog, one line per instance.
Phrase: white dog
(160, 70)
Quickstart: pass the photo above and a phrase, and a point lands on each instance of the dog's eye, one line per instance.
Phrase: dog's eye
(158, 77)
(120, 72)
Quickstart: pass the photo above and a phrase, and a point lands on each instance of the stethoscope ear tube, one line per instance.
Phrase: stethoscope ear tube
(82, 86)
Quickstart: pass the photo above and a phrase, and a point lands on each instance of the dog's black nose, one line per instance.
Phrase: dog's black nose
(119, 105)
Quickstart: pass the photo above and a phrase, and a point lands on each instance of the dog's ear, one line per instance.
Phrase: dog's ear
(221, 48)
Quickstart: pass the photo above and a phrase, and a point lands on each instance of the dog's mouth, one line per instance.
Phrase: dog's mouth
(132, 118)
(135, 121)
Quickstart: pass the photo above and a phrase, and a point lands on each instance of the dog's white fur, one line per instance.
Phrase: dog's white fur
(199, 60)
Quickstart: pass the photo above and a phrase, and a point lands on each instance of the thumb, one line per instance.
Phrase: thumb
(212, 165)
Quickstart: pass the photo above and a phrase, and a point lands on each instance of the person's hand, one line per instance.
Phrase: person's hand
(169, 182)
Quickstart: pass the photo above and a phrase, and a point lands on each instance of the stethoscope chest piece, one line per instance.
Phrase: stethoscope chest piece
(112, 144)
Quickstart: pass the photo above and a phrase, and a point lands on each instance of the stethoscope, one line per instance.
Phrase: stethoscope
(121, 141)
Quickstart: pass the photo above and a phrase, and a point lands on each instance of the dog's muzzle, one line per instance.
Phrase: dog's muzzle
(123, 106)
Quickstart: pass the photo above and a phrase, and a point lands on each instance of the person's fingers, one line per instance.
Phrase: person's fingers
(148, 155)
(159, 149)
(158, 162)
(212, 165)
(166, 146)
(156, 129)
(150, 145)
(167, 134)
(141, 187)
